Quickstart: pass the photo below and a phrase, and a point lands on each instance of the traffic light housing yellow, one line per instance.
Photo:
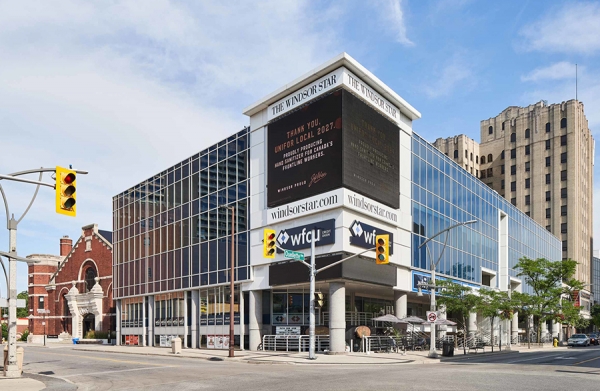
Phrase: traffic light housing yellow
(66, 191)
(382, 249)
(319, 300)
(269, 243)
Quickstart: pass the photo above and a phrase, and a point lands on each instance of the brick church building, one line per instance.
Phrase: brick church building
(72, 293)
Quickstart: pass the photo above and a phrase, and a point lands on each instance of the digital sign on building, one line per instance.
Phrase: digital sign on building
(335, 141)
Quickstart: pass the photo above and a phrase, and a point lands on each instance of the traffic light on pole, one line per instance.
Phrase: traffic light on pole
(66, 191)
(269, 243)
(382, 249)
(319, 300)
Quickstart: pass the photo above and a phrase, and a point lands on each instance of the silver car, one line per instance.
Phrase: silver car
(578, 340)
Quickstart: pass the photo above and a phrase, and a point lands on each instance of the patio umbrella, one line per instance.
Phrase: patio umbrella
(443, 322)
(388, 318)
(412, 319)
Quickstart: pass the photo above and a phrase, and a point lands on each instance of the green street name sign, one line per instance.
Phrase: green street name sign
(297, 255)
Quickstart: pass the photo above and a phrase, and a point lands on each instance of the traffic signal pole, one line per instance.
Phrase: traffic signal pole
(313, 275)
(12, 368)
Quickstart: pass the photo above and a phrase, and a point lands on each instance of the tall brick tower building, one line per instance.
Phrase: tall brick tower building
(75, 287)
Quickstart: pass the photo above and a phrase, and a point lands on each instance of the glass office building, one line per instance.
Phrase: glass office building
(444, 194)
(172, 234)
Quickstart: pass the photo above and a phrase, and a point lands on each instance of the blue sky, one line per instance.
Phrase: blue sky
(124, 90)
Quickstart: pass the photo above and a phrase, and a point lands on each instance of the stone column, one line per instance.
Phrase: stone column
(515, 327)
(401, 303)
(118, 323)
(255, 321)
(150, 340)
(337, 317)
(472, 323)
(144, 328)
(194, 315)
(544, 329)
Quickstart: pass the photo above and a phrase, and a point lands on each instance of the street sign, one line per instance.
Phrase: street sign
(297, 255)
(432, 316)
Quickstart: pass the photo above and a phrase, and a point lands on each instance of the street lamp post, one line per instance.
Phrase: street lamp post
(432, 287)
(231, 280)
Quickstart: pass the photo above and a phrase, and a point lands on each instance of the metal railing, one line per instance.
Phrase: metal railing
(294, 343)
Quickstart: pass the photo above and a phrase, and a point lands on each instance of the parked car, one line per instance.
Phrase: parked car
(594, 339)
(578, 340)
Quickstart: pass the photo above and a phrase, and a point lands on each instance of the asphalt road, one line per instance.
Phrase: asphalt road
(547, 370)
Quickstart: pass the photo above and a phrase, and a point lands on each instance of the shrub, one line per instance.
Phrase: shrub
(25, 335)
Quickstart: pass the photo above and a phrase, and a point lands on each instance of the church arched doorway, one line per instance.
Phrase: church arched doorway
(89, 324)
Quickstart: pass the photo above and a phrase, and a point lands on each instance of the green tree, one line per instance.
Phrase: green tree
(549, 280)
(494, 304)
(459, 299)
(595, 312)
(571, 316)
(23, 312)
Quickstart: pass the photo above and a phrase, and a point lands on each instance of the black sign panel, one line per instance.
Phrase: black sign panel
(305, 151)
(300, 237)
(371, 152)
(363, 235)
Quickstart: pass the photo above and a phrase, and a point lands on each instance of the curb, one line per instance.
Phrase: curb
(52, 382)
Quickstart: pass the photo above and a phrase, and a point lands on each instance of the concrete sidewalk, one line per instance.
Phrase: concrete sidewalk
(21, 384)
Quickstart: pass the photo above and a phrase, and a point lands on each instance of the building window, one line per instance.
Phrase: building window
(471, 156)
(513, 137)
(548, 143)
(513, 170)
(548, 161)
(563, 157)
(527, 183)
(527, 133)
(513, 186)
(563, 175)
(563, 123)
(476, 159)
(490, 158)
(527, 166)
(564, 245)
(527, 200)
(503, 125)
(548, 228)
(477, 173)
(563, 210)
(490, 172)
(466, 154)
(513, 201)
(456, 153)
(513, 153)
(490, 130)
(548, 179)
(502, 184)
(547, 127)
(482, 174)
(528, 214)
(563, 228)
(467, 167)
(483, 160)
(548, 213)
(41, 302)
(527, 150)
(563, 140)
(563, 192)
(90, 279)
(548, 196)
(502, 169)
(502, 155)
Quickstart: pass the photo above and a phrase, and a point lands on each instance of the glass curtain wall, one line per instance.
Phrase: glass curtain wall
(170, 232)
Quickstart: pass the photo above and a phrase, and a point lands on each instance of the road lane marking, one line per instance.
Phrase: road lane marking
(529, 359)
(584, 361)
(116, 371)
(102, 359)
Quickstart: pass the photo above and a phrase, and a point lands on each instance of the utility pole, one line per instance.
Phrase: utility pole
(313, 275)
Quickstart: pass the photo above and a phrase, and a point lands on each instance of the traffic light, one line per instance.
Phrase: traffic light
(382, 249)
(66, 192)
(269, 243)
(319, 300)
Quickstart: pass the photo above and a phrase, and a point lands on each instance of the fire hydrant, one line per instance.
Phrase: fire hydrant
(555, 342)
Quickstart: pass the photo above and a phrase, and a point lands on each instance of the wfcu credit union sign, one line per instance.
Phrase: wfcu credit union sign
(324, 137)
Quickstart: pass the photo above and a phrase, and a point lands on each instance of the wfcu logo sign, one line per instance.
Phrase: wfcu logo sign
(363, 235)
(301, 237)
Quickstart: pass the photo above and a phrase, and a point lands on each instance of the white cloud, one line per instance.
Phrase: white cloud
(558, 71)
(573, 28)
(134, 89)
(455, 72)
(393, 16)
